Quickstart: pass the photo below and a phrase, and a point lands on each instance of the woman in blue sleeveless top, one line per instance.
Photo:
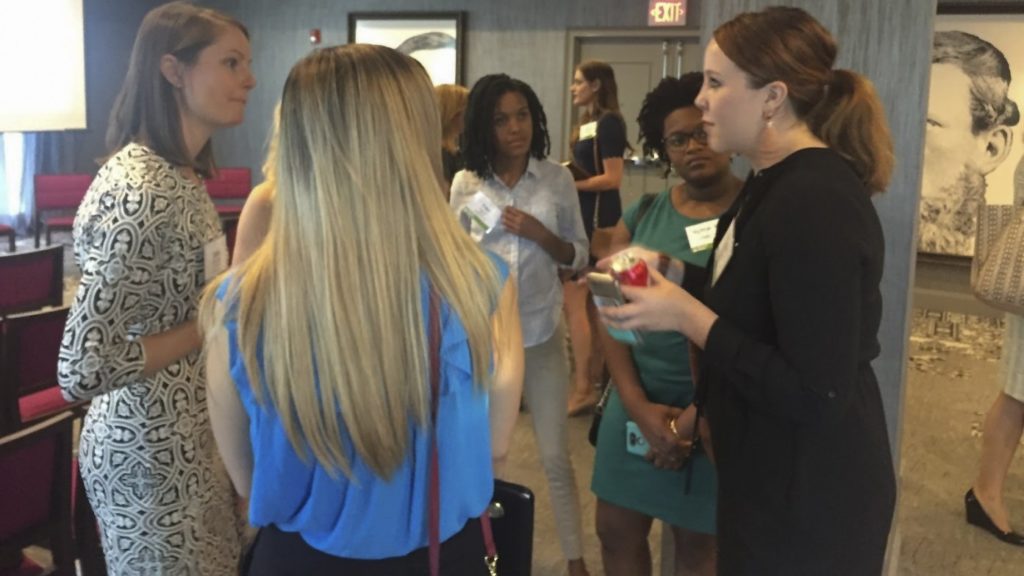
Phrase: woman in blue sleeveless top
(318, 352)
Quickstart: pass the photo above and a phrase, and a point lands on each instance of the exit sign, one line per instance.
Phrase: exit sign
(662, 13)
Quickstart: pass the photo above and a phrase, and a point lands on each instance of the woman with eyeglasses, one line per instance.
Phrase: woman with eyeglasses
(653, 385)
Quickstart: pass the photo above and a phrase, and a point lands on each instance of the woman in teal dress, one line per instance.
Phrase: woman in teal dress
(653, 383)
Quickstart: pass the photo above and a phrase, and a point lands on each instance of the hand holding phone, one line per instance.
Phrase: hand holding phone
(606, 292)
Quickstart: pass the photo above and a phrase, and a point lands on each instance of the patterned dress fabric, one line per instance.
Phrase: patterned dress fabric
(152, 473)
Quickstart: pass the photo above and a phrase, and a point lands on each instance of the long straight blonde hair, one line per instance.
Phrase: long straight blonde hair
(332, 297)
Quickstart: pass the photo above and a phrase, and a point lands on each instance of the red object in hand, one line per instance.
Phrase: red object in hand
(630, 270)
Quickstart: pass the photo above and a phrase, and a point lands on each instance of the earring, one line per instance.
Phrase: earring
(768, 123)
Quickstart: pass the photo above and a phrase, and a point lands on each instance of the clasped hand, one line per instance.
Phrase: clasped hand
(522, 224)
(667, 450)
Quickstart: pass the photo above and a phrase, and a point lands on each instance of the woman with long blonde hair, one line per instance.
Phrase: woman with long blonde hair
(318, 350)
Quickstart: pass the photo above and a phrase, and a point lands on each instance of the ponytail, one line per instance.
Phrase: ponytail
(850, 119)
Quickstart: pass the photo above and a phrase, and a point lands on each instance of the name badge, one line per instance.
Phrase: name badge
(588, 130)
(702, 236)
(724, 252)
(483, 211)
(215, 257)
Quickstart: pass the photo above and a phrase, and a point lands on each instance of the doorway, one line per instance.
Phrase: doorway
(640, 58)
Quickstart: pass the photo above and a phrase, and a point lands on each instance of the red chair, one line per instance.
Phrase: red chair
(35, 490)
(29, 347)
(8, 231)
(32, 280)
(63, 192)
(228, 189)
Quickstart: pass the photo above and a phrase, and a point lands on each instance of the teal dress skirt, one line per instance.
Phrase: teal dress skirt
(663, 364)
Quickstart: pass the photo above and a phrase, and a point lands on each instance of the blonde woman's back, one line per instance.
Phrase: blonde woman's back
(323, 351)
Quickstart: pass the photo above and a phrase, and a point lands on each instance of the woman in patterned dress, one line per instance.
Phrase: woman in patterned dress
(147, 238)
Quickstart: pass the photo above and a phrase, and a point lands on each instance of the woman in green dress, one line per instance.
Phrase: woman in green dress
(653, 384)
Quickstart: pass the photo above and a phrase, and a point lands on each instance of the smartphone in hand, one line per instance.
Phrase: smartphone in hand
(607, 293)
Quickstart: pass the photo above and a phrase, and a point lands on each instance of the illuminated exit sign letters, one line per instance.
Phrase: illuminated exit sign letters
(662, 13)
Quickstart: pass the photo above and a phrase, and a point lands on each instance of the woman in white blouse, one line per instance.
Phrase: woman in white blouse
(524, 208)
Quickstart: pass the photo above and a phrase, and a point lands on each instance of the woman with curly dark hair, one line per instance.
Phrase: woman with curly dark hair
(653, 382)
(523, 207)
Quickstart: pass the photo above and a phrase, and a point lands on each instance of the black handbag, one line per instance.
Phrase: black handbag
(595, 424)
(511, 513)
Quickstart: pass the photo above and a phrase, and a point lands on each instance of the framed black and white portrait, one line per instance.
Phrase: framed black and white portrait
(973, 140)
(435, 39)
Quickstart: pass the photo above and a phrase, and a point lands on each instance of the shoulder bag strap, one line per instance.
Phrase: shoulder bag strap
(434, 516)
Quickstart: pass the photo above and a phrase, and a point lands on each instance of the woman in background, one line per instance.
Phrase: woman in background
(254, 221)
(451, 99)
(598, 144)
(522, 207)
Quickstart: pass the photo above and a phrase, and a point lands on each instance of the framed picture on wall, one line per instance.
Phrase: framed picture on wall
(436, 39)
(974, 140)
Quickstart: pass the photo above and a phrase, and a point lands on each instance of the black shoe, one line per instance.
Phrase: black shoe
(977, 516)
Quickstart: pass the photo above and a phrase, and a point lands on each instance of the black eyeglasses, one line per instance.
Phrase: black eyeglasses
(680, 140)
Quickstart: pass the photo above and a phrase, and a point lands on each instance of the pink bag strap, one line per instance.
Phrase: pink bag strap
(434, 513)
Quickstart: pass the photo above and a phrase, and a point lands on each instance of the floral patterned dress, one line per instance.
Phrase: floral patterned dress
(152, 473)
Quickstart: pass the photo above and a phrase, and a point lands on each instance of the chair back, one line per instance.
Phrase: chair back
(35, 481)
(30, 347)
(60, 191)
(31, 280)
(29, 351)
(230, 184)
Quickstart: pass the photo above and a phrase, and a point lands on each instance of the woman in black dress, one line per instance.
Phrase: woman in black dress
(598, 144)
(791, 305)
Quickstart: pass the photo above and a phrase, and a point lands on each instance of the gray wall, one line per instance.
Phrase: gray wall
(523, 38)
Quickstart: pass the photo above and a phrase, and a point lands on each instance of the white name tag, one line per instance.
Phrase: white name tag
(724, 252)
(483, 211)
(588, 130)
(215, 257)
(702, 236)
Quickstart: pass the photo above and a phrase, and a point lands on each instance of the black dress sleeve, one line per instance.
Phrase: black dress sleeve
(695, 278)
(611, 138)
(818, 241)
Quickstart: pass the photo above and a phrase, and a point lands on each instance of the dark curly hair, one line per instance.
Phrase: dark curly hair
(668, 96)
(478, 136)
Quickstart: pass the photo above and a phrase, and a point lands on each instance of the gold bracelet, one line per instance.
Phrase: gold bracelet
(672, 427)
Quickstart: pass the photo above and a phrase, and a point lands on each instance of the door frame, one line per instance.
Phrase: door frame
(575, 37)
